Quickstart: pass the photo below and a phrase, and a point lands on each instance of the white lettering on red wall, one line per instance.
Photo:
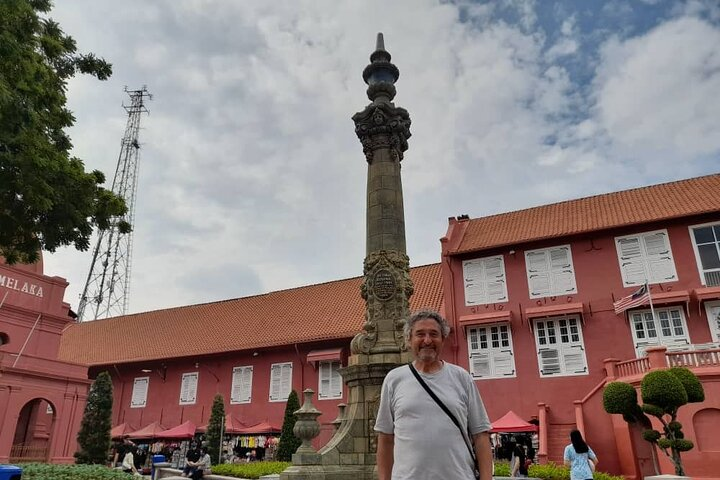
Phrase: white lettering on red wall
(23, 287)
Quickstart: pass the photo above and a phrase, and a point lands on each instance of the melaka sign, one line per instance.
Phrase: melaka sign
(18, 285)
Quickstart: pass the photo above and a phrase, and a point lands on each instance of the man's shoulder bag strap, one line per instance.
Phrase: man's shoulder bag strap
(444, 409)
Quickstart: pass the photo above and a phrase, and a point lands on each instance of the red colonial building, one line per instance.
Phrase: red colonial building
(168, 365)
(529, 295)
(41, 398)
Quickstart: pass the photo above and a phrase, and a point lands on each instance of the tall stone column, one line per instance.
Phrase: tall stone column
(383, 130)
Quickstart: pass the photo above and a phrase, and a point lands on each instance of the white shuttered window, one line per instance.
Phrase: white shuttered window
(241, 389)
(139, 393)
(666, 328)
(550, 272)
(484, 280)
(561, 351)
(646, 256)
(330, 381)
(188, 388)
(491, 351)
(280, 381)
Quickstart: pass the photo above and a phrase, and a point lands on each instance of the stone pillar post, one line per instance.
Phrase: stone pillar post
(383, 130)
(656, 357)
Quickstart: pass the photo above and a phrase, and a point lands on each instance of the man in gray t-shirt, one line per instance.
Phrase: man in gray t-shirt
(416, 439)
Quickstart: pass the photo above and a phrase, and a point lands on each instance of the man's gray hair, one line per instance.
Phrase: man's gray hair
(426, 315)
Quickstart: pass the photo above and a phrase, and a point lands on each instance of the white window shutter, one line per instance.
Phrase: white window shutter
(503, 363)
(574, 359)
(139, 393)
(632, 261)
(335, 380)
(561, 266)
(661, 267)
(484, 280)
(286, 381)
(247, 374)
(188, 388)
(275, 373)
(480, 364)
(324, 371)
(236, 387)
(538, 272)
(549, 359)
(495, 279)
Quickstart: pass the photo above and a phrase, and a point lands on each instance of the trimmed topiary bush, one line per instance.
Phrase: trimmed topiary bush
(663, 393)
(214, 428)
(94, 435)
(289, 443)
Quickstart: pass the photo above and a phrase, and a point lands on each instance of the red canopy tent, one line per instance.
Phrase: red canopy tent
(258, 428)
(184, 430)
(231, 425)
(120, 431)
(147, 432)
(511, 422)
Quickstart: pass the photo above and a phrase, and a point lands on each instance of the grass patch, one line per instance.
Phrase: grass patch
(45, 471)
(249, 470)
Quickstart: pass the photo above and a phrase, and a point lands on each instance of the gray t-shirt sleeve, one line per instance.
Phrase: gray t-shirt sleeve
(385, 423)
(478, 420)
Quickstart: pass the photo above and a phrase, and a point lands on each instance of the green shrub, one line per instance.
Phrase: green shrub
(619, 397)
(44, 471)
(663, 389)
(692, 384)
(249, 470)
(289, 443)
(548, 471)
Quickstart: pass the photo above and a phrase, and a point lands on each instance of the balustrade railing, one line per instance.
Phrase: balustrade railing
(636, 366)
(696, 358)
(21, 453)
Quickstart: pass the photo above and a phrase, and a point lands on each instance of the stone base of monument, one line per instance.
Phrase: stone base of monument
(667, 477)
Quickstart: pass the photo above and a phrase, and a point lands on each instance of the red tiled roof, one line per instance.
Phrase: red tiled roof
(683, 198)
(332, 310)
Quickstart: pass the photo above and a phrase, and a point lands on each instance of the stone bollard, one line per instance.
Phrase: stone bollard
(341, 416)
(306, 428)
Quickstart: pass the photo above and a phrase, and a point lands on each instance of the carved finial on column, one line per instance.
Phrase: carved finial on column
(306, 428)
(341, 416)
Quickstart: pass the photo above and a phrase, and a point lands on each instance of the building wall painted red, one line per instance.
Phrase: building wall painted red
(32, 318)
(215, 376)
(605, 334)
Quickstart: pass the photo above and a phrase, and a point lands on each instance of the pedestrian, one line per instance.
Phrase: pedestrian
(418, 438)
(580, 457)
(128, 463)
(191, 461)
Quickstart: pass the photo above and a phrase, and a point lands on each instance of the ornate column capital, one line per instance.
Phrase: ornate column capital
(382, 125)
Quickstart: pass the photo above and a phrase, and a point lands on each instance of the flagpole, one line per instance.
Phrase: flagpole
(652, 309)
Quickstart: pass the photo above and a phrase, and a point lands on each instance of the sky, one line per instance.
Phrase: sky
(251, 178)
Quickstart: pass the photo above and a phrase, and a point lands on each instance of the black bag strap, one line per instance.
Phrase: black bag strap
(444, 409)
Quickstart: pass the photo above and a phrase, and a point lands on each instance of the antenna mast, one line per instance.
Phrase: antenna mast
(108, 283)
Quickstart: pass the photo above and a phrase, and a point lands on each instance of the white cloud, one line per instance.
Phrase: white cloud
(251, 176)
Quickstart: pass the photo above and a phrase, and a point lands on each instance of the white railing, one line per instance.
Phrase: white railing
(696, 357)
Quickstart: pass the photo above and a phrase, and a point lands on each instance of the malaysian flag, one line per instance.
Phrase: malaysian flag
(637, 298)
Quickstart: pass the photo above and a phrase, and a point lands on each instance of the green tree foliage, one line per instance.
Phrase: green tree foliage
(48, 199)
(289, 443)
(94, 435)
(663, 393)
(215, 428)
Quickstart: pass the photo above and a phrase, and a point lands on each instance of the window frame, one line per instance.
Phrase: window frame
(240, 398)
(696, 250)
(278, 367)
(564, 349)
(484, 281)
(493, 353)
(334, 374)
(192, 389)
(552, 274)
(640, 345)
(135, 393)
(713, 322)
(646, 259)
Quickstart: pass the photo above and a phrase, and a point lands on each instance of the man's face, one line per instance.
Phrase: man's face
(426, 340)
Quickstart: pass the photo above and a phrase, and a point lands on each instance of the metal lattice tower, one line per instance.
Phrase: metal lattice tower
(108, 283)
